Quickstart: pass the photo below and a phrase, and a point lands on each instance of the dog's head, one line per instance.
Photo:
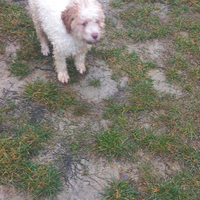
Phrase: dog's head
(84, 19)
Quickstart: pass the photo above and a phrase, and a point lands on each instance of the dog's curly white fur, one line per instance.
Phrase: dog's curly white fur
(71, 26)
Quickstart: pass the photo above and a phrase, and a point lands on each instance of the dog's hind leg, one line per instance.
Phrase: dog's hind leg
(39, 30)
(42, 38)
(44, 44)
(41, 35)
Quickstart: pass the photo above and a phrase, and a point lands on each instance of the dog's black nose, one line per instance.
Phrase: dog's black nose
(94, 36)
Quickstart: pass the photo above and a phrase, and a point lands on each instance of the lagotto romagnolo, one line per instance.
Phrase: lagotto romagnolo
(72, 26)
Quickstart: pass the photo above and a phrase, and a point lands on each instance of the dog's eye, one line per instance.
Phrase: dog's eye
(84, 24)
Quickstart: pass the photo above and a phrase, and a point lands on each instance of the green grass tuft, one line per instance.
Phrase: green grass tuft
(112, 109)
(191, 26)
(118, 3)
(187, 44)
(110, 143)
(141, 24)
(50, 95)
(173, 75)
(180, 186)
(18, 25)
(178, 62)
(19, 69)
(95, 82)
(2, 46)
(119, 190)
(116, 142)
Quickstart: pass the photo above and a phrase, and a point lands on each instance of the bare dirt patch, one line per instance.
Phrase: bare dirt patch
(7, 193)
(152, 51)
(107, 88)
(162, 13)
(160, 84)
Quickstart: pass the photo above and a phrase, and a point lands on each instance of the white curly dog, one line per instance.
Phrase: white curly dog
(71, 26)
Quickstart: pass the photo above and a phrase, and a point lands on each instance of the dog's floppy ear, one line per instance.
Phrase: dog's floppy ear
(102, 20)
(68, 16)
(101, 16)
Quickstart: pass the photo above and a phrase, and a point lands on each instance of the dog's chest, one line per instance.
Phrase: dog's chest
(68, 46)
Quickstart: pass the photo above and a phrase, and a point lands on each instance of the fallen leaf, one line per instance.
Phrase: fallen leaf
(192, 40)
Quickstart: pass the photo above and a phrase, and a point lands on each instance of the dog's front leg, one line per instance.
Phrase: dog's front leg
(61, 68)
(80, 63)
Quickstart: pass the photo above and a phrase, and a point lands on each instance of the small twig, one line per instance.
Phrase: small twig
(195, 3)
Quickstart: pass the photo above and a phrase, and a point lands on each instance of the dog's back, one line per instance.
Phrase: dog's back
(48, 6)
(48, 12)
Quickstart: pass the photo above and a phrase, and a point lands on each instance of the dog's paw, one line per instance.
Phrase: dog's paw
(45, 51)
(81, 69)
(63, 77)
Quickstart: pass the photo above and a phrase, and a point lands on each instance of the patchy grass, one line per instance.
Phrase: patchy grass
(181, 72)
(117, 33)
(147, 1)
(180, 186)
(15, 166)
(19, 69)
(113, 109)
(191, 25)
(173, 122)
(121, 190)
(194, 73)
(82, 108)
(180, 4)
(2, 46)
(95, 82)
(115, 76)
(178, 62)
(173, 75)
(141, 24)
(3, 112)
(117, 142)
(55, 98)
(179, 118)
(142, 94)
(110, 143)
(187, 44)
(49, 94)
(118, 3)
(18, 25)
(80, 142)
(145, 170)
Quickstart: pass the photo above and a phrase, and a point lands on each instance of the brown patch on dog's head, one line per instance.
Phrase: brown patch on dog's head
(68, 16)
(84, 20)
